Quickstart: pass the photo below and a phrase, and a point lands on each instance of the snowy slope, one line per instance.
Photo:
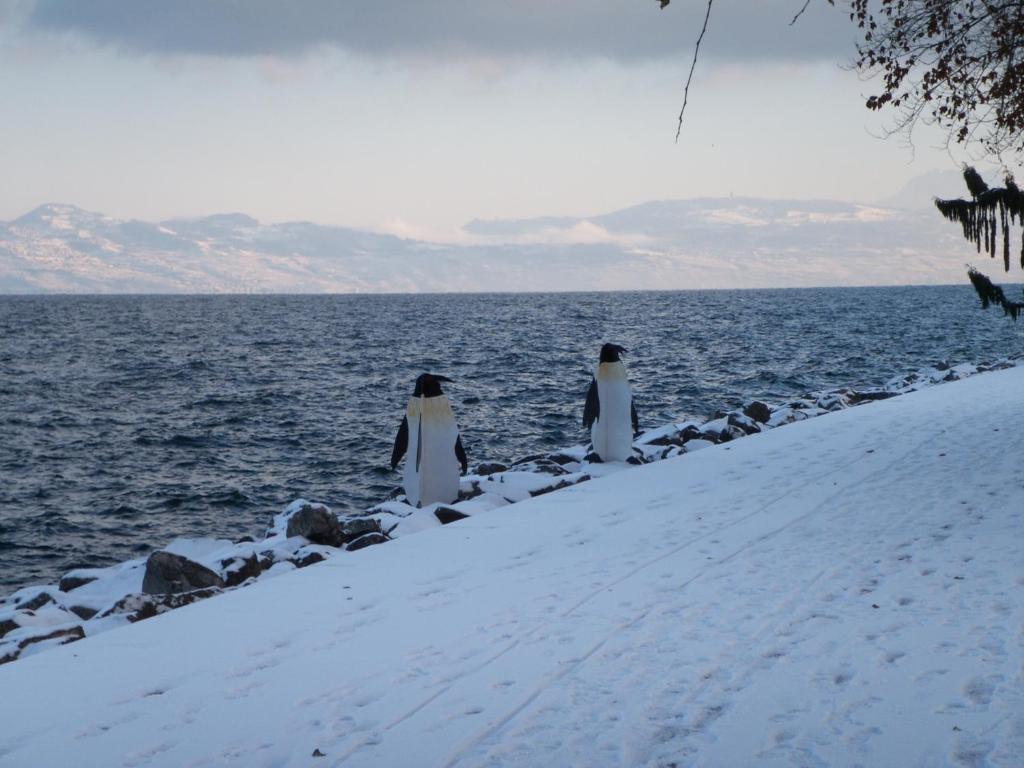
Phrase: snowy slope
(844, 591)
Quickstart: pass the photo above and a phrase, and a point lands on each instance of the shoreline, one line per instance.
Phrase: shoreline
(841, 592)
(90, 601)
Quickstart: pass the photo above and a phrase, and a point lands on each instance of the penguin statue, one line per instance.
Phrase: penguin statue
(609, 413)
(429, 433)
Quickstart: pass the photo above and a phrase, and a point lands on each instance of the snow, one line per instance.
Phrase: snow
(844, 591)
(682, 244)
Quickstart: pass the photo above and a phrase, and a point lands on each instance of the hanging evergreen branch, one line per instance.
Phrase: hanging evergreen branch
(986, 218)
(988, 215)
(992, 294)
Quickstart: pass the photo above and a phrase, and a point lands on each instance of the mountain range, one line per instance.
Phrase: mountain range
(676, 244)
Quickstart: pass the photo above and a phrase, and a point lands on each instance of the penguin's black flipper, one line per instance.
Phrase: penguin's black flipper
(632, 415)
(592, 409)
(460, 454)
(401, 443)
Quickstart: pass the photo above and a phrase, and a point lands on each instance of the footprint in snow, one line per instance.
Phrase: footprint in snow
(979, 690)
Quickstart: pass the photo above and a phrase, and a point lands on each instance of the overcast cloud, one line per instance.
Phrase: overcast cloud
(623, 30)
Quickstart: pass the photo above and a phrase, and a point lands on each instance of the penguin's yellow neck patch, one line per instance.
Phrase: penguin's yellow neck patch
(429, 407)
(611, 372)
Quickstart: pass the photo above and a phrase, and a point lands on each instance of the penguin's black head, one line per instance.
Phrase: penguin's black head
(429, 385)
(610, 353)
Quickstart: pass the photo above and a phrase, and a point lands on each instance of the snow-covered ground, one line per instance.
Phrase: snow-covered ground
(844, 591)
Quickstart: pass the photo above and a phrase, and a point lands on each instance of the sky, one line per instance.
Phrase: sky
(415, 118)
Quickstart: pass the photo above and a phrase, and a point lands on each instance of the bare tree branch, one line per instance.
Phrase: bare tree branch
(800, 12)
(693, 65)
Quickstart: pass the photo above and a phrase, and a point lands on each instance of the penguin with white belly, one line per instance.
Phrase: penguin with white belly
(609, 412)
(431, 437)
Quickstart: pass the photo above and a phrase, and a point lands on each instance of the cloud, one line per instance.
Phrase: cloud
(623, 30)
(581, 232)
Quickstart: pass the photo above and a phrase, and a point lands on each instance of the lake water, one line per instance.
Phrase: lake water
(127, 421)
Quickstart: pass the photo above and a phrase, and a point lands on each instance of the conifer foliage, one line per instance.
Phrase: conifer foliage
(987, 220)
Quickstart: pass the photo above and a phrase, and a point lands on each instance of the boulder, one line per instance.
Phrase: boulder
(68, 583)
(139, 607)
(472, 492)
(167, 573)
(238, 569)
(757, 411)
(83, 612)
(746, 423)
(36, 602)
(317, 524)
(367, 540)
(856, 398)
(529, 459)
(564, 483)
(691, 432)
(8, 625)
(489, 468)
(67, 635)
(448, 515)
(541, 464)
(356, 527)
(307, 558)
(563, 458)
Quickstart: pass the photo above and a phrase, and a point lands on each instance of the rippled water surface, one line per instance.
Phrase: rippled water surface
(128, 421)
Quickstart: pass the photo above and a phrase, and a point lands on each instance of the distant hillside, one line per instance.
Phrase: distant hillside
(699, 243)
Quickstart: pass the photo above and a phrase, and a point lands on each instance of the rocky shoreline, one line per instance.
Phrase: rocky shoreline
(89, 601)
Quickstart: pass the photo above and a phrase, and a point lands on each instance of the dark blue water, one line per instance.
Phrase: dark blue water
(127, 421)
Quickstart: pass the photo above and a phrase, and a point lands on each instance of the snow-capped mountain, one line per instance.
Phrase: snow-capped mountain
(697, 243)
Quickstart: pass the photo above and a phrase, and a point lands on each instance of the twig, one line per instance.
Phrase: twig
(693, 65)
(800, 12)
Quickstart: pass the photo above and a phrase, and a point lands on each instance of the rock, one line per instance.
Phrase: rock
(317, 524)
(356, 527)
(666, 440)
(238, 569)
(727, 434)
(310, 558)
(563, 458)
(83, 612)
(856, 398)
(245, 540)
(36, 602)
(448, 515)
(746, 423)
(529, 459)
(565, 483)
(757, 411)
(367, 540)
(68, 583)
(691, 432)
(70, 635)
(8, 625)
(167, 573)
(541, 464)
(489, 468)
(473, 491)
(142, 606)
